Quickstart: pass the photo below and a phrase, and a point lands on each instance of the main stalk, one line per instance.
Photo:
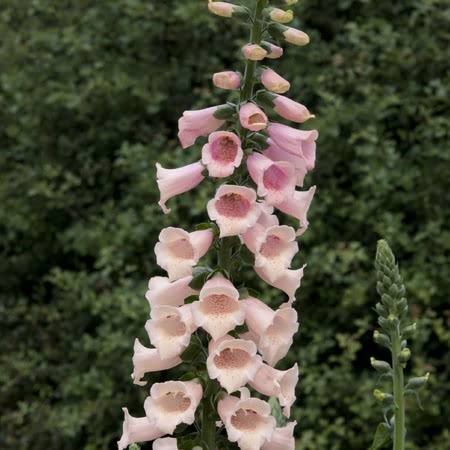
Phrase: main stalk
(399, 396)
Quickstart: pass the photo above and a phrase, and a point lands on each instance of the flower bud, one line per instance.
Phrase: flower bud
(225, 9)
(254, 52)
(280, 16)
(381, 339)
(409, 331)
(404, 355)
(227, 80)
(382, 396)
(290, 2)
(418, 382)
(380, 366)
(273, 51)
(291, 35)
(274, 82)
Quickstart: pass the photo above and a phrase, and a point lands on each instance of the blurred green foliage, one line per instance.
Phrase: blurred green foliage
(90, 94)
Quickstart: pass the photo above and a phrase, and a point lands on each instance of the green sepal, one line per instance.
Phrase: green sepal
(382, 339)
(247, 257)
(382, 437)
(192, 351)
(277, 30)
(199, 275)
(265, 98)
(408, 331)
(417, 382)
(134, 447)
(190, 299)
(225, 112)
(276, 412)
(188, 376)
(241, 13)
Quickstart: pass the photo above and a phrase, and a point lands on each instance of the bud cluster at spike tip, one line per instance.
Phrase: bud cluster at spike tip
(228, 338)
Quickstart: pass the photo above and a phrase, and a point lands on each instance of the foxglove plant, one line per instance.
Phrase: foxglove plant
(205, 316)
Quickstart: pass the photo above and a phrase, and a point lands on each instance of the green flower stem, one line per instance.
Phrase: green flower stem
(399, 396)
(225, 252)
(208, 419)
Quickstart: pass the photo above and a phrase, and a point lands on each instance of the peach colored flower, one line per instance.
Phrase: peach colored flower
(254, 52)
(166, 443)
(282, 438)
(274, 82)
(162, 291)
(227, 80)
(252, 117)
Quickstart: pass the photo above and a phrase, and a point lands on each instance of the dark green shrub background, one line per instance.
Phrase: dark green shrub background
(90, 93)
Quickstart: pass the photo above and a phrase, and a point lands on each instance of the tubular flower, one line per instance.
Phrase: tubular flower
(172, 182)
(170, 329)
(273, 51)
(227, 80)
(168, 443)
(194, 124)
(273, 329)
(233, 362)
(254, 52)
(137, 429)
(247, 420)
(172, 403)
(290, 110)
(274, 82)
(234, 208)
(218, 310)
(275, 179)
(252, 236)
(161, 291)
(296, 37)
(222, 9)
(178, 251)
(252, 117)
(275, 153)
(282, 438)
(277, 383)
(297, 142)
(148, 360)
(222, 154)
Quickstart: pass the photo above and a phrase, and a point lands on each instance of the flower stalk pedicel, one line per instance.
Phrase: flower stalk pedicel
(203, 316)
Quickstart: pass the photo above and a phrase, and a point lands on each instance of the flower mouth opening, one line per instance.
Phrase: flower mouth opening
(256, 119)
(225, 150)
(181, 248)
(219, 304)
(272, 247)
(275, 179)
(171, 326)
(174, 402)
(230, 359)
(245, 420)
(233, 205)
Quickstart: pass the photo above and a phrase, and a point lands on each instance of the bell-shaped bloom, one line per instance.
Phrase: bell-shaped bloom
(281, 16)
(194, 124)
(274, 250)
(172, 182)
(162, 291)
(274, 82)
(170, 329)
(282, 438)
(290, 110)
(296, 37)
(227, 80)
(275, 179)
(253, 235)
(234, 208)
(274, 329)
(137, 429)
(169, 443)
(298, 142)
(254, 52)
(233, 362)
(172, 403)
(273, 51)
(218, 310)
(275, 153)
(178, 251)
(148, 360)
(289, 282)
(247, 420)
(277, 383)
(297, 206)
(222, 154)
(252, 117)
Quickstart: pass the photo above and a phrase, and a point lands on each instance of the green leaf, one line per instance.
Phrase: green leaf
(382, 437)
(199, 276)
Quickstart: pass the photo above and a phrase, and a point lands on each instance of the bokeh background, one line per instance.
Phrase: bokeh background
(90, 95)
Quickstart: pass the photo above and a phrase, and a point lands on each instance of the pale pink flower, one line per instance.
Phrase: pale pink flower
(277, 383)
(266, 219)
(172, 182)
(223, 9)
(274, 51)
(296, 37)
(218, 310)
(282, 438)
(275, 179)
(252, 117)
(297, 206)
(178, 251)
(148, 360)
(290, 110)
(247, 420)
(281, 16)
(254, 52)
(275, 153)
(227, 80)
(137, 429)
(233, 362)
(172, 403)
(274, 329)
(222, 154)
(289, 282)
(234, 208)
(170, 329)
(298, 142)
(168, 443)
(274, 251)
(274, 82)
(194, 124)
(161, 291)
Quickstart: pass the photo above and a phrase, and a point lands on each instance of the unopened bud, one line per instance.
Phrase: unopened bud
(409, 331)
(227, 80)
(418, 382)
(382, 396)
(274, 82)
(292, 35)
(225, 9)
(273, 51)
(380, 366)
(254, 52)
(290, 2)
(279, 15)
(404, 355)
(381, 339)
